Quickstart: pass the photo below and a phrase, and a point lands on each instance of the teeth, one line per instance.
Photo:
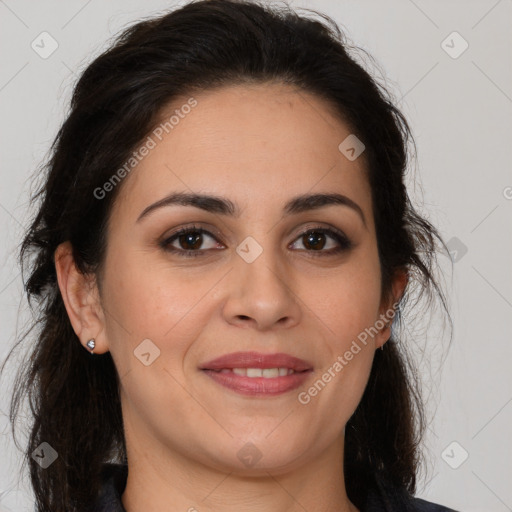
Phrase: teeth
(267, 373)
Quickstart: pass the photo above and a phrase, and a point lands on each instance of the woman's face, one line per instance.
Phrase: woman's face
(251, 282)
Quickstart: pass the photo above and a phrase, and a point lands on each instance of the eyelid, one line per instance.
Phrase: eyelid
(207, 229)
(309, 226)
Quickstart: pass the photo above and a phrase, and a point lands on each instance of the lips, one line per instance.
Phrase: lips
(257, 360)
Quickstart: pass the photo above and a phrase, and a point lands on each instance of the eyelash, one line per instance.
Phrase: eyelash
(344, 243)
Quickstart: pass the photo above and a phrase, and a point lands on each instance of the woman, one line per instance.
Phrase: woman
(223, 241)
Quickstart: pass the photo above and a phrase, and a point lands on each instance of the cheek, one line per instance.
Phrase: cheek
(346, 301)
(345, 308)
(153, 301)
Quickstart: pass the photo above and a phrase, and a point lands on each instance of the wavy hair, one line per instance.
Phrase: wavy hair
(206, 44)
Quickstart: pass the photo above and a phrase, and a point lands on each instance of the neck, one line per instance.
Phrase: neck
(158, 479)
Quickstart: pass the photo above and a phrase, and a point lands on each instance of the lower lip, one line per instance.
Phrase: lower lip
(259, 386)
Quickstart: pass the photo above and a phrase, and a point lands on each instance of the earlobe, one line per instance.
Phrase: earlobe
(81, 298)
(400, 280)
(383, 336)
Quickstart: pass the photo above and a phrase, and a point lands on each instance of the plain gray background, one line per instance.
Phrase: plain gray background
(459, 105)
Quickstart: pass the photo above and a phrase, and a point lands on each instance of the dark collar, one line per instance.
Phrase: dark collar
(381, 499)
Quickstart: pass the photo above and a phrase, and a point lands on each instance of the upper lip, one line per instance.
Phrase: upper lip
(256, 360)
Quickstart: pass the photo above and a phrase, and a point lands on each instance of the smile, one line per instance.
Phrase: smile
(259, 382)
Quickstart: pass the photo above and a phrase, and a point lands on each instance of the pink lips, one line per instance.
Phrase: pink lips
(256, 360)
(257, 386)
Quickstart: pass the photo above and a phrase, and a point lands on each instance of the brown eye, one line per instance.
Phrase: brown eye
(316, 239)
(189, 242)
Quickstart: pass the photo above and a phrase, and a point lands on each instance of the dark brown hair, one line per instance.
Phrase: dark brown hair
(73, 396)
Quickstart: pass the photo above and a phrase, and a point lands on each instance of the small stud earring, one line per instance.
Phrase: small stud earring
(91, 344)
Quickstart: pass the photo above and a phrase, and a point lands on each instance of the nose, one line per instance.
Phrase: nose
(261, 295)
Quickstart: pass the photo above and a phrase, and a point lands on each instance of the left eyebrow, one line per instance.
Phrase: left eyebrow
(223, 206)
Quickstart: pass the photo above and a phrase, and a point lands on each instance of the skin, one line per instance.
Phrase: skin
(258, 146)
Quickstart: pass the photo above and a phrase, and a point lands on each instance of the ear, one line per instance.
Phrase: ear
(81, 298)
(388, 307)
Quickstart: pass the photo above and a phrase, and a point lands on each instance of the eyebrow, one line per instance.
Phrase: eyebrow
(223, 206)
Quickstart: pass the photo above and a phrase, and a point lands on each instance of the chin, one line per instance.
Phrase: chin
(257, 457)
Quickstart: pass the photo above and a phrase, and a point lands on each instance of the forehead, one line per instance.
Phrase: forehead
(255, 144)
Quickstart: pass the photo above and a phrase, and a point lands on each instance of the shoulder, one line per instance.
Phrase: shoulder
(427, 506)
(387, 498)
(113, 483)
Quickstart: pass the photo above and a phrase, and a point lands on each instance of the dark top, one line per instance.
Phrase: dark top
(381, 499)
